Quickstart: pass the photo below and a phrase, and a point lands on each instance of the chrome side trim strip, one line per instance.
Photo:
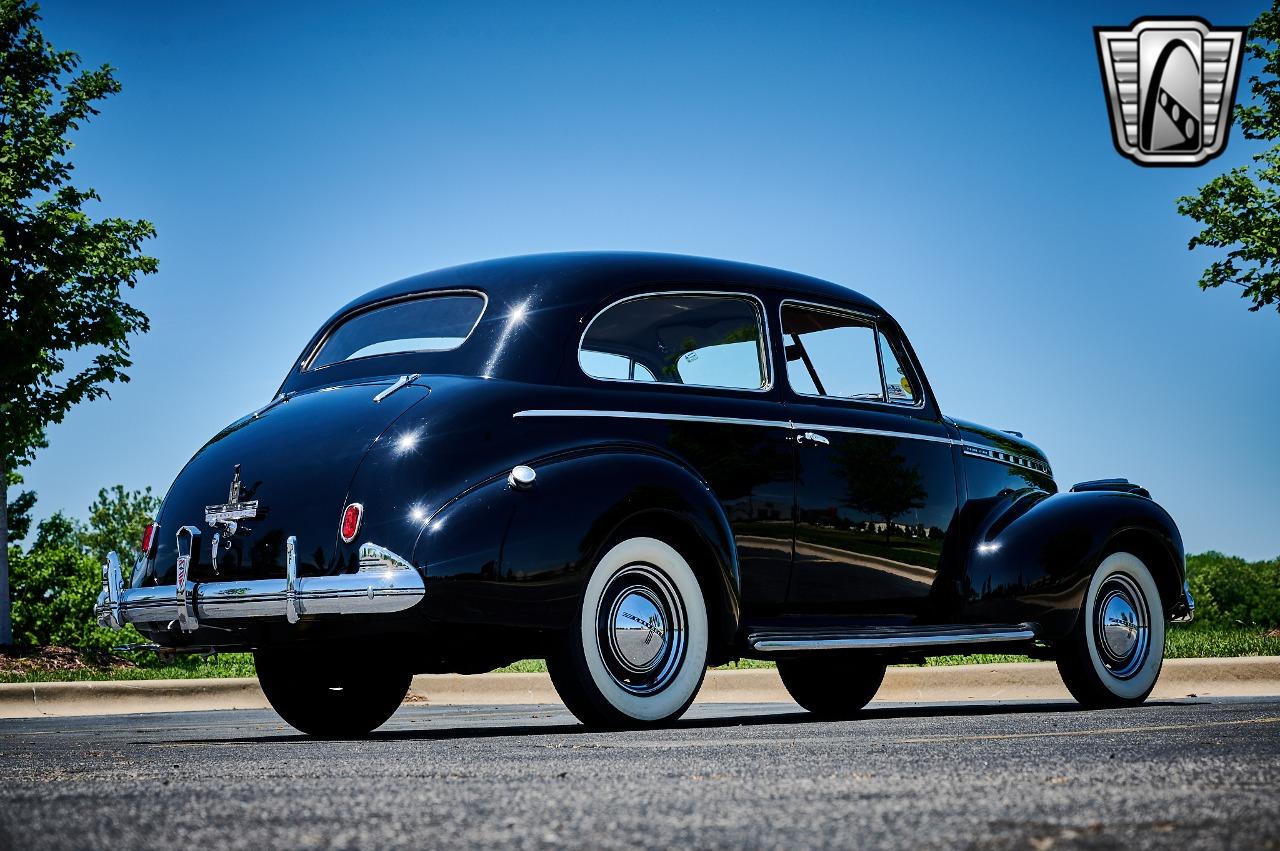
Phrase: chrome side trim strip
(1023, 632)
(650, 415)
(975, 449)
(876, 432)
(698, 418)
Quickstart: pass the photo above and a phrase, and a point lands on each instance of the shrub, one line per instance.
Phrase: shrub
(1232, 592)
(56, 581)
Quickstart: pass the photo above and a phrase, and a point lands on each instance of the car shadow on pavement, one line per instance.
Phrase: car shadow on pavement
(449, 728)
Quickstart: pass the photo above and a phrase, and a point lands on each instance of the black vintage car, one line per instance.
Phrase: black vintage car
(634, 466)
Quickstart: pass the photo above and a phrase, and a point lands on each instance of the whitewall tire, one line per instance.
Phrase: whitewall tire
(638, 652)
(1113, 655)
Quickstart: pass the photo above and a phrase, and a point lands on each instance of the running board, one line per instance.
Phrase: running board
(883, 637)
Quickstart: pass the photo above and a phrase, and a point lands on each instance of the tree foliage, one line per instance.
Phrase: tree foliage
(1231, 592)
(64, 273)
(57, 579)
(1240, 210)
(116, 520)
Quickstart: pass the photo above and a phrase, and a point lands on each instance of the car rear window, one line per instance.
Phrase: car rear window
(435, 323)
(695, 339)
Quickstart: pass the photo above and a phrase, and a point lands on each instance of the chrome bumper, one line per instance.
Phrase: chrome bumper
(385, 583)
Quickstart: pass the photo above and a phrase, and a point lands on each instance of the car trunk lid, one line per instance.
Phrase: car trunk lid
(279, 472)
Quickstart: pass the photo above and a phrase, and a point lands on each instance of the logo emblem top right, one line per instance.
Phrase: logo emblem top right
(1170, 86)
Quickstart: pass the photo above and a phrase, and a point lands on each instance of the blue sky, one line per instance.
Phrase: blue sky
(953, 162)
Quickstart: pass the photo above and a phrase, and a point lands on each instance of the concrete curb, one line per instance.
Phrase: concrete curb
(1254, 676)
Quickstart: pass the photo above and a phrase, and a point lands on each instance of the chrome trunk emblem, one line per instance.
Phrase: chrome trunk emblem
(223, 518)
(233, 508)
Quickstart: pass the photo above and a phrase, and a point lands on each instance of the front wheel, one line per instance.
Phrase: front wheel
(1113, 655)
(638, 652)
(331, 695)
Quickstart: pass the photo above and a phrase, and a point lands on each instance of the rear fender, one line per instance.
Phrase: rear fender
(1033, 553)
(520, 557)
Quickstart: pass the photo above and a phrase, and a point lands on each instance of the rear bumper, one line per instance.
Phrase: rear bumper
(385, 583)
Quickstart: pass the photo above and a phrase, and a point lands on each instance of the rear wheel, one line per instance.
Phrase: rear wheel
(832, 688)
(331, 694)
(1113, 655)
(638, 652)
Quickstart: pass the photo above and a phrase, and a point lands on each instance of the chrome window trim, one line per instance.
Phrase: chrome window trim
(388, 302)
(765, 349)
(876, 331)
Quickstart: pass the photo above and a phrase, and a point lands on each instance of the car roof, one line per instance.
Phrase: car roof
(595, 276)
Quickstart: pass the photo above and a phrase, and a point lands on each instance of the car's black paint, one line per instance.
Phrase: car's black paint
(766, 522)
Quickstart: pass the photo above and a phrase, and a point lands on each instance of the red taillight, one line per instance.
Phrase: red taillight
(351, 521)
(148, 538)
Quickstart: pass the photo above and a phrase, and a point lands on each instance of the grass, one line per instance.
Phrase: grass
(62, 664)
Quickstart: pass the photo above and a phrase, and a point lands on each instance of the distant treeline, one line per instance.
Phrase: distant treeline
(1232, 592)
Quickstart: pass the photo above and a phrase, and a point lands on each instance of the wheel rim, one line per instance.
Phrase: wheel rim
(1122, 626)
(641, 626)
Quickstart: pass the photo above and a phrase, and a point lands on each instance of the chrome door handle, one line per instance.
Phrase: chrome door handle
(811, 438)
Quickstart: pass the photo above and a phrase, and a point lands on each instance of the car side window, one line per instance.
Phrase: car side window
(897, 383)
(694, 339)
(615, 367)
(831, 354)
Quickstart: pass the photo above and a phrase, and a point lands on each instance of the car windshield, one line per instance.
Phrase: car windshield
(428, 324)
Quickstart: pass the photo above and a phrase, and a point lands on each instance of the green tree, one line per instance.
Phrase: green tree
(1240, 210)
(1231, 592)
(65, 272)
(57, 580)
(116, 520)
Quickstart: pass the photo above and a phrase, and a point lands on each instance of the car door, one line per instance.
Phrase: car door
(875, 475)
(697, 369)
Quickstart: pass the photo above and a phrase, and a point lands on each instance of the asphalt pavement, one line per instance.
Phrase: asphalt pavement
(1186, 774)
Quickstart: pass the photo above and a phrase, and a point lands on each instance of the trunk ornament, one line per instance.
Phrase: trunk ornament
(223, 518)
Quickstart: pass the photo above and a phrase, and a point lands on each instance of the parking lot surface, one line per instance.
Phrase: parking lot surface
(1192, 773)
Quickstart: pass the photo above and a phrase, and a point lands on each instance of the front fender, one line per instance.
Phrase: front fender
(1031, 554)
(519, 557)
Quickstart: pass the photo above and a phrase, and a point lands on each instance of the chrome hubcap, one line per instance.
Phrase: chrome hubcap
(641, 628)
(1122, 626)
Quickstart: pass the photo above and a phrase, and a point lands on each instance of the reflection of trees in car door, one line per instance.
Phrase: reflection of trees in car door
(879, 481)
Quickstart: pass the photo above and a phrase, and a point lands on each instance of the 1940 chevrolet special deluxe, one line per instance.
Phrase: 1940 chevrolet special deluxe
(634, 466)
